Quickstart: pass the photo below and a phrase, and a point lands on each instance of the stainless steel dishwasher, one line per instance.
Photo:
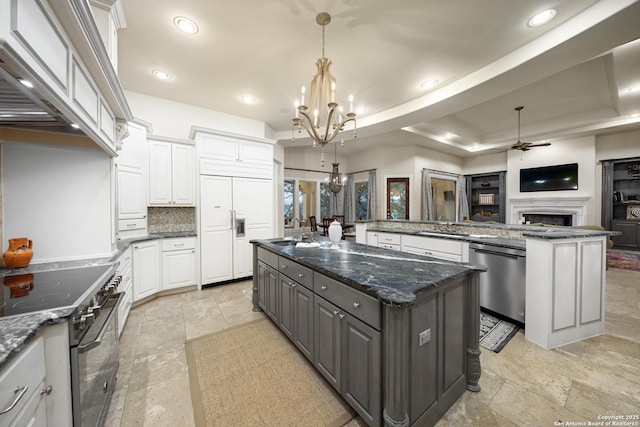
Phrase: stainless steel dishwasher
(502, 287)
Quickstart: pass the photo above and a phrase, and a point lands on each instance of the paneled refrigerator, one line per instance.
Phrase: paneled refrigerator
(233, 211)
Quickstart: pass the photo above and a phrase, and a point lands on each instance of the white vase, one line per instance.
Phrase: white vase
(335, 234)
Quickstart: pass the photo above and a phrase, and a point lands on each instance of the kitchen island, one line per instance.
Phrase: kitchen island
(395, 334)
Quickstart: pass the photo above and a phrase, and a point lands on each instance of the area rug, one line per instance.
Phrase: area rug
(626, 260)
(495, 333)
(252, 375)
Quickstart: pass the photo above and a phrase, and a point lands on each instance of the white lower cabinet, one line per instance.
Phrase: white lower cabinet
(20, 385)
(146, 269)
(178, 262)
(125, 287)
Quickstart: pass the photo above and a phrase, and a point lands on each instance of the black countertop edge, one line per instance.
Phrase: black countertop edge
(394, 278)
(17, 331)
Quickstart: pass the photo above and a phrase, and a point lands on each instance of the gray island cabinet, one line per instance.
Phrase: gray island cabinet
(395, 334)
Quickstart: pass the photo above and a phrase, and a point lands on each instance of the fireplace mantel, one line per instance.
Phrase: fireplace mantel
(577, 207)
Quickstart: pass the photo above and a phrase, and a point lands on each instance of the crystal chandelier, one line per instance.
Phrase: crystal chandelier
(323, 118)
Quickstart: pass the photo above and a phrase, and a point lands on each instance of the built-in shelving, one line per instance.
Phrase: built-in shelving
(621, 201)
(486, 196)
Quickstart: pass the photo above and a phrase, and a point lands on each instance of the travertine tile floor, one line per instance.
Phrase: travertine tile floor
(524, 384)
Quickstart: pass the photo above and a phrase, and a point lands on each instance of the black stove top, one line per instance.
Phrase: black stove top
(50, 290)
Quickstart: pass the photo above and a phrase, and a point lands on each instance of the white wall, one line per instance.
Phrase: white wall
(578, 150)
(175, 119)
(58, 197)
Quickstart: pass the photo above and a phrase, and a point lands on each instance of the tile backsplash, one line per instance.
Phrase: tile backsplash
(167, 220)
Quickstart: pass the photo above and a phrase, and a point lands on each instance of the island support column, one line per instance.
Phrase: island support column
(256, 277)
(395, 354)
(473, 348)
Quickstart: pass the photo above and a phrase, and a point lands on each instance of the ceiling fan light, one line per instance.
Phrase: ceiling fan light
(542, 18)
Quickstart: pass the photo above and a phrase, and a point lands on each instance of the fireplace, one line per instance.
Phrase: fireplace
(569, 210)
(549, 219)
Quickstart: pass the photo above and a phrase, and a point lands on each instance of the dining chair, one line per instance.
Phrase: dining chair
(313, 223)
(326, 222)
(339, 218)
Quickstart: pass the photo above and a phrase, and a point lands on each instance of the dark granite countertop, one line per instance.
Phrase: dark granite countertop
(395, 278)
(16, 331)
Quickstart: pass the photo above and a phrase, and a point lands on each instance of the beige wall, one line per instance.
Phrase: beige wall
(409, 161)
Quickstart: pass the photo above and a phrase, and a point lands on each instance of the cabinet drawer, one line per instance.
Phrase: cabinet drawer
(125, 262)
(22, 376)
(356, 303)
(178, 244)
(433, 244)
(268, 257)
(132, 224)
(297, 272)
(388, 239)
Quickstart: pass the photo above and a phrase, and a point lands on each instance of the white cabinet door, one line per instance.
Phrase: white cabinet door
(179, 268)
(160, 173)
(252, 202)
(216, 244)
(132, 200)
(146, 269)
(171, 174)
(182, 174)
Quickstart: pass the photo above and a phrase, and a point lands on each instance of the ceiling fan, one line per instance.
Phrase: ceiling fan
(525, 146)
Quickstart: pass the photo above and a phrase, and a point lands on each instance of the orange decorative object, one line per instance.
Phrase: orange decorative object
(19, 285)
(19, 253)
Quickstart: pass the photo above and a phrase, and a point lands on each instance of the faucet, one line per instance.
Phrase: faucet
(303, 235)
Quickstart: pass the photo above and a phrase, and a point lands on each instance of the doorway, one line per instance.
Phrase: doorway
(398, 198)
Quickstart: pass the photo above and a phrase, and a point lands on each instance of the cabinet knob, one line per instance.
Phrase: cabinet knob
(356, 304)
(335, 312)
(324, 288)
(46, 390)
(283, 266)
(341, 316)
(300, 275)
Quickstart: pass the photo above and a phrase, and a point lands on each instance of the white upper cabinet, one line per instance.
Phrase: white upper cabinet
(171, 174)
(57, 46)
(228, 155)
(132, 180)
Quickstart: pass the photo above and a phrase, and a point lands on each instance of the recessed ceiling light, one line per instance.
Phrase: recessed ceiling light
(26, 83)
(542, 18)
(162, 75)
(185, 24)
(248, 99)
(75, 126)
(428, 84)
(634, 89)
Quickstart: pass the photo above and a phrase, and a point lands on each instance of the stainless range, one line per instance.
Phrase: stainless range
(90, 292)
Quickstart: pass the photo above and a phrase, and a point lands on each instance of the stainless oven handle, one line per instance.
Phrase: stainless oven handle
(96, 342)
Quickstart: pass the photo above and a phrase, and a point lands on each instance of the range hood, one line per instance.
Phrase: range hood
(74, 90)
(22, 108)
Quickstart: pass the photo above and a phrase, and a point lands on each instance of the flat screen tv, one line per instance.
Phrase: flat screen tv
(549, 178)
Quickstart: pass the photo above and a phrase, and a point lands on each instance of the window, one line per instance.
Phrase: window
(325, 197)
(397, 198)
(443, 193)
(289, 185)
(306, 200)
(362, 200)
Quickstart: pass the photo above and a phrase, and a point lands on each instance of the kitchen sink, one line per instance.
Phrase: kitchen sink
(289, 242)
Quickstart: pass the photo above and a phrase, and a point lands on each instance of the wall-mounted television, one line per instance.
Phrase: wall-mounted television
(549, 178)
